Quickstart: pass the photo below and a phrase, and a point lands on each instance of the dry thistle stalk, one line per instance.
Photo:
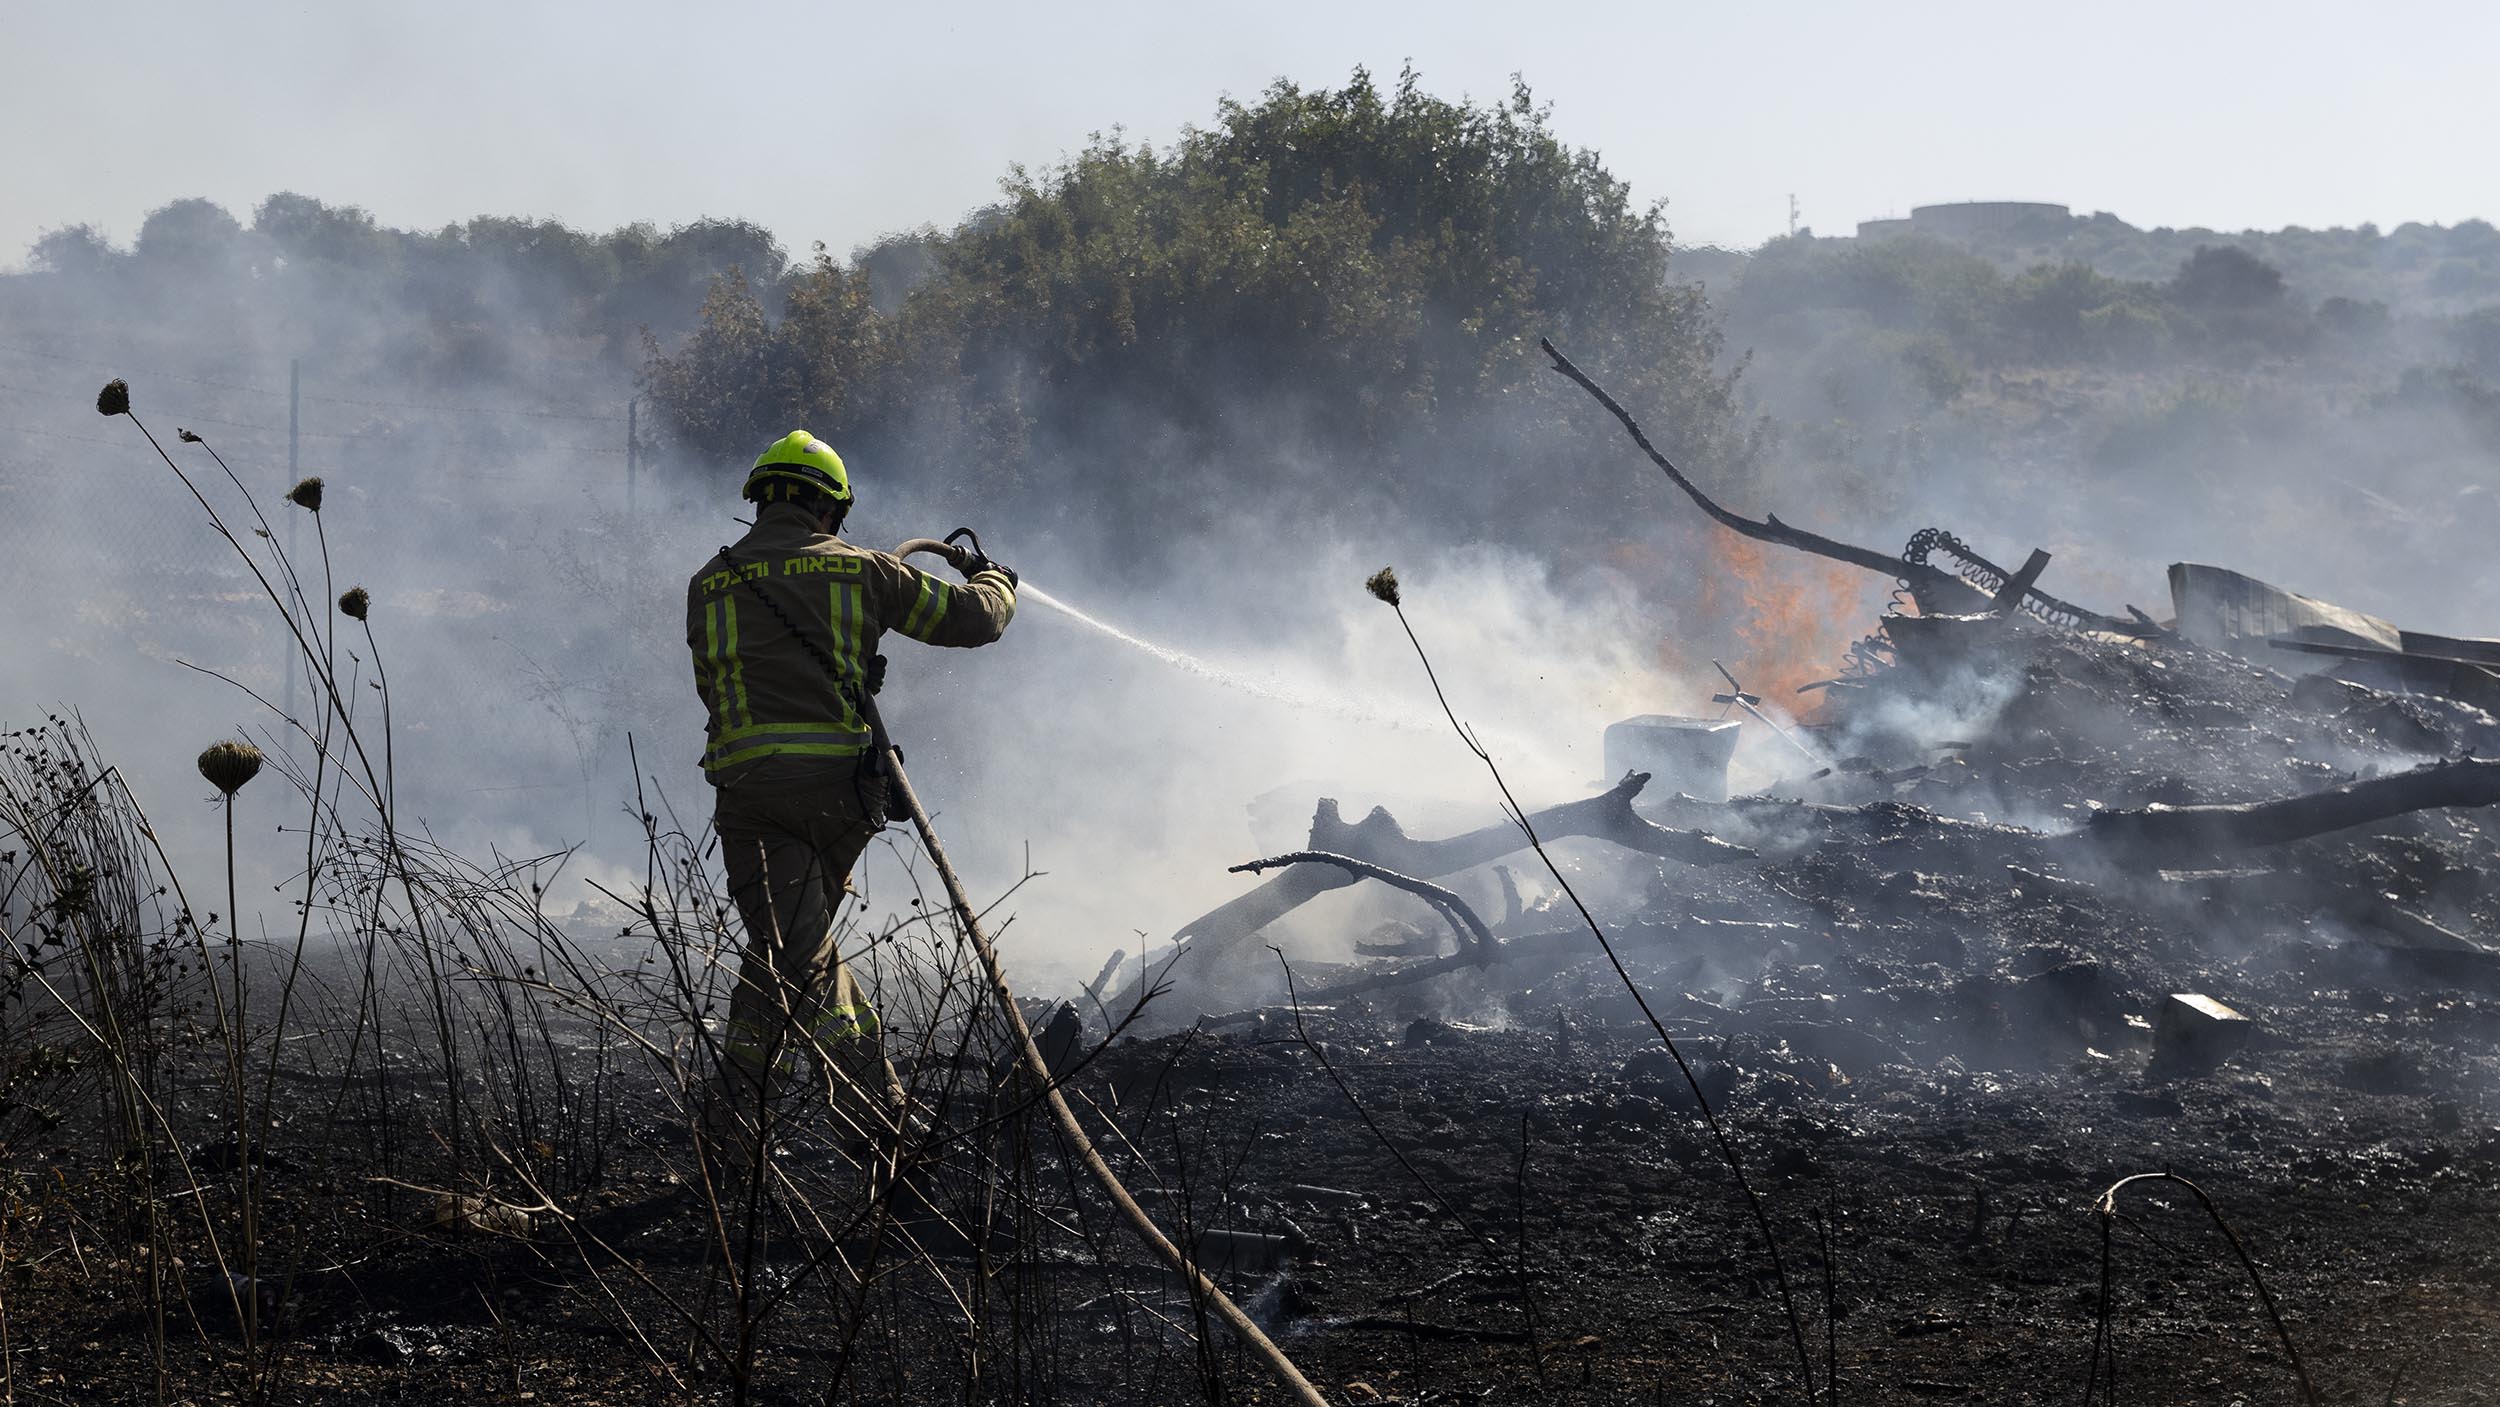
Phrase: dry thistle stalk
(229, 765)
(354, 602)
(1384, 584)
(306, 493)
(114, 399)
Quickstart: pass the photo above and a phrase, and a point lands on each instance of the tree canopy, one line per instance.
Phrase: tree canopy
(339, 278)
(1320, 280)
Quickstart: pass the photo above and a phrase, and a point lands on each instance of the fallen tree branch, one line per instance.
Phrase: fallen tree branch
(1770, 529)
(1566, 944)
(1380, 840)
(1607, 816)
(1474, 939)
(2166, 831)
(1931, 583)
(1562, 942)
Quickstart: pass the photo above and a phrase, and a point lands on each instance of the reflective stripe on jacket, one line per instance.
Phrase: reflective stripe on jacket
(766, 691)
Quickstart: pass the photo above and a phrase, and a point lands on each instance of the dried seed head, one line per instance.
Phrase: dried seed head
(1384, 584)
(114, 399)
(74, 893)
(229, 765)
(354, 602)
(187, 437)
(306, 494)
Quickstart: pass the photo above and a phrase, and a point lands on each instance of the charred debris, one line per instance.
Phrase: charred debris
(2021, 830)
(2049, 910)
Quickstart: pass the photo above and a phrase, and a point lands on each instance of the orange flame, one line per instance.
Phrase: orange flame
(1792, 616)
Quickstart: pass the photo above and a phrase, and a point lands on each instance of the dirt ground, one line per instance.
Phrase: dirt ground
(1541, 1216)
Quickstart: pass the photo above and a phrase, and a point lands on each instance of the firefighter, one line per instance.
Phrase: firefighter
(784, 626)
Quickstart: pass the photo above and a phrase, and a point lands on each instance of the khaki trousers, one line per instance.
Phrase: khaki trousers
(790, 831)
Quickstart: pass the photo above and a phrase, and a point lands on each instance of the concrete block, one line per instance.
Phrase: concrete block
(2193, 1032)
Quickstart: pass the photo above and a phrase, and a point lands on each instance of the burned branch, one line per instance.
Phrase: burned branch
(1547, 948)
(2166, 832)
(1380, 841)
(1475, 941)
(1937, 588)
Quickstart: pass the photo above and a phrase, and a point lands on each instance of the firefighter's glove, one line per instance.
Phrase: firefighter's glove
(875, 673)
(975, 563)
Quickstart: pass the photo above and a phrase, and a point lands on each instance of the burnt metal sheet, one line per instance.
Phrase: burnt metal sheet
(2229, 611)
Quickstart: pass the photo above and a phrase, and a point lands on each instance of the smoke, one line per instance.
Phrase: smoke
(1202, 685)
(1136, 783)
(2331, 431)
(456, 443)
(1208, 673)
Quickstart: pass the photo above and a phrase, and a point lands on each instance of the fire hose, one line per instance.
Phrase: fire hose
(1029, 1055)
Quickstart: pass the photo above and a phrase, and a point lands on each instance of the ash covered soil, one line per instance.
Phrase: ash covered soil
(1923, 1013)
(1929, 1037)
(1957, 1198)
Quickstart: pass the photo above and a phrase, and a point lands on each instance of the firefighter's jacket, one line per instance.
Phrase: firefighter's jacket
(783, 623)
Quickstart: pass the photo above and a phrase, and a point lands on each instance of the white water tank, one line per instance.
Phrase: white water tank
(1688, 755)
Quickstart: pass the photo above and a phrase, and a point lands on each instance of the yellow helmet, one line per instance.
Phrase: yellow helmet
(796, 465)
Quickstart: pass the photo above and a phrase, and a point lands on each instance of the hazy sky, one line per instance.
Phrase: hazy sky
(835, 123)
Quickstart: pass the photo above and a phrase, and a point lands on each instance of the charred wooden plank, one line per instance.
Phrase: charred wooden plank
(2020, 584)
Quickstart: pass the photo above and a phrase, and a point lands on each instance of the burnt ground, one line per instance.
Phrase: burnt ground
(1922, 1012)
(2346, 1149)
(1965, 1256)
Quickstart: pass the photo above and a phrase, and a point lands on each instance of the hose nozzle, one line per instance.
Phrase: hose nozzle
(960, 558)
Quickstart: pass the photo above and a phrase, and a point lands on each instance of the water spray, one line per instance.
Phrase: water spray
(1352, 710)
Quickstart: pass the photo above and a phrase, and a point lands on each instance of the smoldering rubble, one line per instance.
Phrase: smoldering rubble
(2038, 899)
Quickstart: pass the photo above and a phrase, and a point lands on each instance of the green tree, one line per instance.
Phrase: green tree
(660, 279)
(1913, 285)
(1323, 280)
(192, 236)
(2476, 337)
(2235, 306)
(303, 229)
(77, 252)
(2047, 309)
(2226, 278)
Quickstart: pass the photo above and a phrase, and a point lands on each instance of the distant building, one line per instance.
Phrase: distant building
(1973, 221)
(1984, 219)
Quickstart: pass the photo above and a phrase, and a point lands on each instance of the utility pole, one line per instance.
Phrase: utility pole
(632, 466)
(294, 476)
(1792, 214)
